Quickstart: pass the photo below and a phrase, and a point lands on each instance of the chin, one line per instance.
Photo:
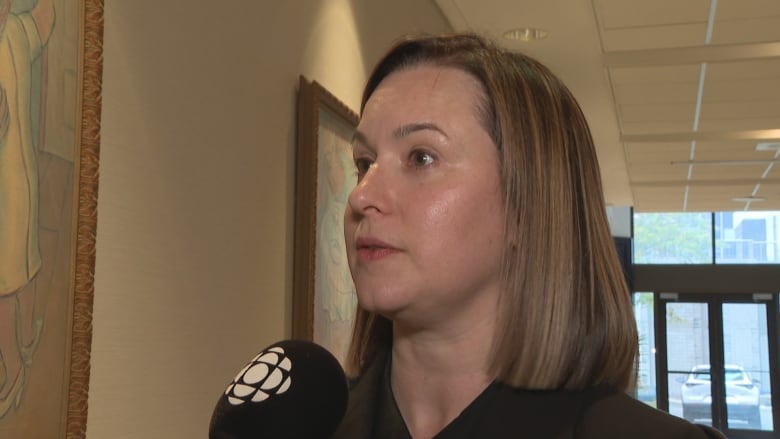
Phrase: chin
(386, 303)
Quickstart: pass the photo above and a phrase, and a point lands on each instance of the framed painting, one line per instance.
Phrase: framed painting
(324, 298)
(50, 98)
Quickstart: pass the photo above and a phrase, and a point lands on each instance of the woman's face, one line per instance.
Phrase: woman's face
(424, 225)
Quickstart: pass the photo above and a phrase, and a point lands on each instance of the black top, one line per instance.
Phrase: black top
(501, 411)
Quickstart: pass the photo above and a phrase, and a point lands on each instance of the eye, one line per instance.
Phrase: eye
(362, 165)
(419, 158)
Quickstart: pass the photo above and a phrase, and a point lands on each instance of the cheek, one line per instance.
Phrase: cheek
(459, 216)
(440, 213)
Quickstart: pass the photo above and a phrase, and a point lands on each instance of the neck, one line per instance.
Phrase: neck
(435, 375)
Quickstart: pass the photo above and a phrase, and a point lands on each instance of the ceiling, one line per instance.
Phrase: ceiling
(683, 97)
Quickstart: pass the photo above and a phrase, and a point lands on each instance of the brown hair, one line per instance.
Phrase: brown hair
(566, 319)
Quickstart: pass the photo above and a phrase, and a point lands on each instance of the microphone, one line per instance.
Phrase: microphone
(292, 389)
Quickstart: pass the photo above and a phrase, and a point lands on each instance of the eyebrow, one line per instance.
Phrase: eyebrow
(408, 129)
(402, 131)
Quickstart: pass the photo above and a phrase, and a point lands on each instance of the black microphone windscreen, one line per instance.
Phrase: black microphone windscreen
(293, 389)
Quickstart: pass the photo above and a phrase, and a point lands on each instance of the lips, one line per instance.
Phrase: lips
(372, 249)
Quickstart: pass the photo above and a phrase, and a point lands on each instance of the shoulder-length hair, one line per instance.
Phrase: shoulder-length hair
(566, 319)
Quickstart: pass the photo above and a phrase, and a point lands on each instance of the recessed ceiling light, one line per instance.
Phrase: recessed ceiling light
(526, 34)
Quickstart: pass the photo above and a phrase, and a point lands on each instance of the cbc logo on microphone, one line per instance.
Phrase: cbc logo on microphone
(266, 375)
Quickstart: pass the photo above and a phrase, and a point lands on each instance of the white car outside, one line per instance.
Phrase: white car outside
(742, 395)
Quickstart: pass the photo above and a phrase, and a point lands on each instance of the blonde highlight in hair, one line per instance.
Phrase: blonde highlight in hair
(566, 317)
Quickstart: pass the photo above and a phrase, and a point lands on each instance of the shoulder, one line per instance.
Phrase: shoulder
(362, 405)
(613, 414)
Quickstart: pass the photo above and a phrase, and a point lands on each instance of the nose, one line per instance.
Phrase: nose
(370, 193)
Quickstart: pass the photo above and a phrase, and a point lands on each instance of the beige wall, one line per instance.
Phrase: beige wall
(194, 245)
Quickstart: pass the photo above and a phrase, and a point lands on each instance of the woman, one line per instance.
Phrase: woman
(491, 301)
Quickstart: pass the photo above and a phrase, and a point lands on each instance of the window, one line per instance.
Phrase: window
(673, 238)
(690, 238)
(747, 237)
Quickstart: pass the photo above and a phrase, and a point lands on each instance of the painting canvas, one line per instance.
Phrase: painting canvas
(50, 72)
(324, 298)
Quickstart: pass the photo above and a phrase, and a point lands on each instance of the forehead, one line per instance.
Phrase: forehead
(416, 91)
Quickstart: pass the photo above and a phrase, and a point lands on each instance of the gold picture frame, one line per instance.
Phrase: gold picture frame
(44, 375)
(324, 300)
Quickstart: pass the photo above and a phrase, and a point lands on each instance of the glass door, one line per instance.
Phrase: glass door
(714, 361)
